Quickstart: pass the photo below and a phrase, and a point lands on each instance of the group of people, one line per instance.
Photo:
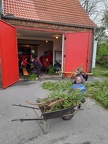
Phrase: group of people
(34, 65)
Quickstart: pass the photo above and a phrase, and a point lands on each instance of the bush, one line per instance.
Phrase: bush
(51, 70)
(102, 49)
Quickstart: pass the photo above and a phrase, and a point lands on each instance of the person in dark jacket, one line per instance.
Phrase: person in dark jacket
(83, 73)
(57, 66)
(38, 66)
(78, 74)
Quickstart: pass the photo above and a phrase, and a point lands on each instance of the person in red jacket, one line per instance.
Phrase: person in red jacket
(24, 62)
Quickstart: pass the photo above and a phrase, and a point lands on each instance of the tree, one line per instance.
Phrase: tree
(91, 7)
(105, 19)
(105, 4)
(99, 33)
(98, 12)
(95, 9)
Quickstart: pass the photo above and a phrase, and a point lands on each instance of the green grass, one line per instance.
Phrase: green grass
(99, 91)
(100, 71)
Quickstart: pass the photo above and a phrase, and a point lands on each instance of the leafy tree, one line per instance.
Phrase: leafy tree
(102, 50)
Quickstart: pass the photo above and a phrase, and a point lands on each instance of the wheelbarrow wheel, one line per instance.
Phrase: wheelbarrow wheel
(68, 115)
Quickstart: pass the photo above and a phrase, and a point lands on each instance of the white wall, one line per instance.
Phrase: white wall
(44, 46)
(57, 44)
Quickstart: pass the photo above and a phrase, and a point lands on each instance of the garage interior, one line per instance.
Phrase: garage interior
(40, 43)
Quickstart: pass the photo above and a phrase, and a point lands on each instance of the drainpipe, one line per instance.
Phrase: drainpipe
(91, 68)
(62, 53)
(1, 8)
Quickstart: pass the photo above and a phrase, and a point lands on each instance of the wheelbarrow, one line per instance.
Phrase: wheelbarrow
(44, 119)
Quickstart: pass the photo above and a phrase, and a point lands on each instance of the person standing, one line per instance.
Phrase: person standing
(24, 62)
(38, 66)
(24, 65)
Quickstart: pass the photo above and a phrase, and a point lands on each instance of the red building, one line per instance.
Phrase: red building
(37, 26)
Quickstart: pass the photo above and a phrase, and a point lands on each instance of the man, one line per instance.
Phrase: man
(38, 66)
(81, 87)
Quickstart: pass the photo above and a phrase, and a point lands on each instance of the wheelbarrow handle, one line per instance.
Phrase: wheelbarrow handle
(21, 120)
(24, 106)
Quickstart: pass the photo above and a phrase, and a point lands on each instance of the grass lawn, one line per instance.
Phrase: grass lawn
(99, 91)
(100, 71)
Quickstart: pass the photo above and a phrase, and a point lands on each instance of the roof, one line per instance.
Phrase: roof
(68, 12)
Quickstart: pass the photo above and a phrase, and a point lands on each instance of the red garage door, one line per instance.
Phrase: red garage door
(77, 51)
(8, 54)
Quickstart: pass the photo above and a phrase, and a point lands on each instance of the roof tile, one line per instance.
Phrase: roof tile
(68, 12)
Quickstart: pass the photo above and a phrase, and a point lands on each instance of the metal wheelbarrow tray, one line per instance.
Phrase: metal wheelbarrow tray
(65, 114)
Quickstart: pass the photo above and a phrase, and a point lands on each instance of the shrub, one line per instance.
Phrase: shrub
(102, 49)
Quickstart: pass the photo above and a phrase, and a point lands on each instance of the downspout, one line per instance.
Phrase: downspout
(91, 70)
(62, 53)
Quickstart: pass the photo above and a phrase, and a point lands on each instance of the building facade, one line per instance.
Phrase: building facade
(61, 28)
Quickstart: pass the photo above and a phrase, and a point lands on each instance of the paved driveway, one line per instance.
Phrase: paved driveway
(88, 126)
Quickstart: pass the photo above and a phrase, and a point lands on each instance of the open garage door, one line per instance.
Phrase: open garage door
(8, 54)
(76, 51)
